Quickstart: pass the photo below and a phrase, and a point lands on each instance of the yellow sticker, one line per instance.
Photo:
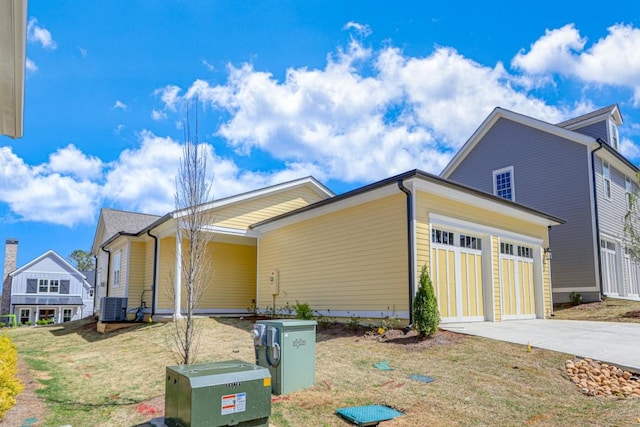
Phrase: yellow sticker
(267, 382)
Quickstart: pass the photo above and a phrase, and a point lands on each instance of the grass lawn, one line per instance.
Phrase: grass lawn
(609, 310)
(118, 379)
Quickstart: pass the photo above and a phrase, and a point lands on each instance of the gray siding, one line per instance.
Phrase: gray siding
(550, 174)
(596, 130)
(611, 212)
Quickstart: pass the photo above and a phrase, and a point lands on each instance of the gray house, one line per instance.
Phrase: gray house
(573, 170)
(50, 288)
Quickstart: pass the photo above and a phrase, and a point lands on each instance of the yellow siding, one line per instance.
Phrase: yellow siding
(136, 273)
(148, 271)
(353, 259)
(547, 288)
(243, 214)
(232, 276)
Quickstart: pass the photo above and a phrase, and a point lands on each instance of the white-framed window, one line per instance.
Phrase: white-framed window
(470, 242)
(66, 315)
(503, 183)
(116, 269)
(442, 237)
(90, 293)
(525, 252)
(506, 248)
(606, 244)
(47, 286)
(613, 133)
(606, 176)
(25, 315)
(628, 188)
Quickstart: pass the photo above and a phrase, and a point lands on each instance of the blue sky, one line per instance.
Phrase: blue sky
(349, 92)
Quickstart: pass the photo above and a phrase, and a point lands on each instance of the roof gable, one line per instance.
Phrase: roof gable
(606, 113)
(114, 221)
(50, 254)
(499, 113)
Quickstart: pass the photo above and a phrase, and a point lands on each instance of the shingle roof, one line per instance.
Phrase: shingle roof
(116, 221)
(587, 116)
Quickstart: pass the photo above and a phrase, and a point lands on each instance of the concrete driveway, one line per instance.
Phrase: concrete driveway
(611, 342)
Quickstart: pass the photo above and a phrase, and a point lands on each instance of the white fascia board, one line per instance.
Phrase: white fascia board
(482, 202)
(615, 113)
(498, 113)
(359, 199)
(13, 33)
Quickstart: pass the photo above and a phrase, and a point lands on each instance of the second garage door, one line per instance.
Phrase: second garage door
(516, 277)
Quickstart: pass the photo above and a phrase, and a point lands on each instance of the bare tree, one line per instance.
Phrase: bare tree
(193, 190)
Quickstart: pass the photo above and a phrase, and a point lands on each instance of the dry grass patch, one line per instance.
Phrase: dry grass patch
(609, 310)
(478, 381)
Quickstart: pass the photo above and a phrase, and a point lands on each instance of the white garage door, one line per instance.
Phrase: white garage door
(456, 264)
(516, 279)
(609, 259)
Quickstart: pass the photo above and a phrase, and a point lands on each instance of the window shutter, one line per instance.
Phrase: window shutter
(32, 286)
(64, 286)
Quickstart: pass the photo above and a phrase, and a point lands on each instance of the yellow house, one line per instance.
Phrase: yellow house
(361, 253)
(356, 254)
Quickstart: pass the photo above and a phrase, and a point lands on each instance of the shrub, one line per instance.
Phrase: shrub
(9, 384)
(425, 307)
(575, 298)
(303, 311)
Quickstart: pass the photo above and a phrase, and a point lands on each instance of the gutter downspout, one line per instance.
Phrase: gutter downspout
(95, 283)
(108, 270)
(600, 141)
(155, 273)
(412, 278)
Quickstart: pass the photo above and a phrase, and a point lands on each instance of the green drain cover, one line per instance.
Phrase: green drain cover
(369, 415)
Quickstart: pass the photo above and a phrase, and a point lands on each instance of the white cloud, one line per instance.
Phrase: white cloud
(362, 29)
(119, 105)
(612, 60)
(83, 52)
(168, 96)
(34, 193)
(70, 160)
(358, 125)
(208, 65)
(30, 66)
(629, 149)
(158, 115)
(38, 34)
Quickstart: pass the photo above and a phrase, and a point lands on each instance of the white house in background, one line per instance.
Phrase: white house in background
(50, 288)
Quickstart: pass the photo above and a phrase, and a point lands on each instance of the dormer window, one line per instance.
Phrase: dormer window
(503, 183)
(613, 136)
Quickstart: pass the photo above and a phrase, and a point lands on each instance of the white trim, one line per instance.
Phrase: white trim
(512, 185)
(462, 225)
(52, 253)
(591, 156)
(577, 289)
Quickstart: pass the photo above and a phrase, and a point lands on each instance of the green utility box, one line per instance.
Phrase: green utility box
(231, 393)
(287, 347)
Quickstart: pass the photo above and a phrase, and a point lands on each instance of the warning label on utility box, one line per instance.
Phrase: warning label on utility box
(232, 403)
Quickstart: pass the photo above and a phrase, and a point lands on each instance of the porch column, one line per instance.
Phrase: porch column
(177, 285)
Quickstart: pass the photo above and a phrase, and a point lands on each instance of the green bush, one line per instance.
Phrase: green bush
(575, 298)
(9, 384)
(303, 311)
(426, 316)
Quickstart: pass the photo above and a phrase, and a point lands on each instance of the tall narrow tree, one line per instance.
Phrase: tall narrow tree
(193, 191)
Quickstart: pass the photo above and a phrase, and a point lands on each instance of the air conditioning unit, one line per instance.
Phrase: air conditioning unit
(113, 309)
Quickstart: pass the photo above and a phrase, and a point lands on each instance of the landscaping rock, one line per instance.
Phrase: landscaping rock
(600, 379)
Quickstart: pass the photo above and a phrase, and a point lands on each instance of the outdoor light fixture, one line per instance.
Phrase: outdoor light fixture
(547, 253)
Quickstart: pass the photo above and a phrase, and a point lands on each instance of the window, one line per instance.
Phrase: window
(66, 315)
(506, 248)
(628, 187)
(90, 293)
(605, 244)
(606, 175)
(25, 315)
(525, 252)
(116, 270)
(48, 286)
(613, 131)
(443, 237)
(470, 242)
(503, 183)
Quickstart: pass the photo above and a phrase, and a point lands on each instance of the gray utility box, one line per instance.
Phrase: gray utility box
(287, 347)
(231, 393)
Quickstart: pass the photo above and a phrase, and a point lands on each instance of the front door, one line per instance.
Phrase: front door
(46, 314)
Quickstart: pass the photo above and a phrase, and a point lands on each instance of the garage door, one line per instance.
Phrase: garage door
(632, 276)
(456, 264)
(609, 260)
(516, 278)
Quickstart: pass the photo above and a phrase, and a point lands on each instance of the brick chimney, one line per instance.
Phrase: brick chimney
(10, 265)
